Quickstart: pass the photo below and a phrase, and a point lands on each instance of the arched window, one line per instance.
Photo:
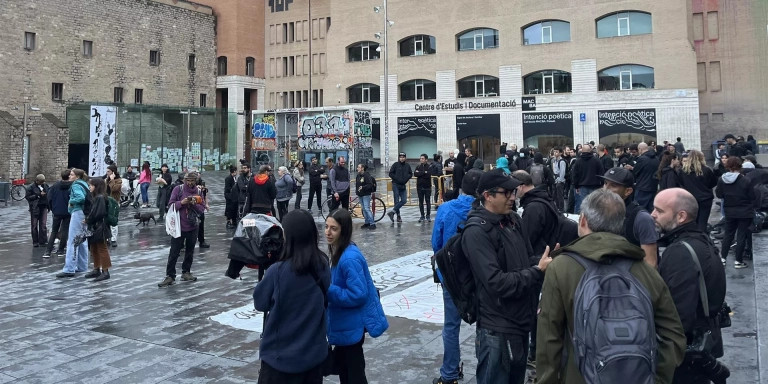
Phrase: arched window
(624, 23)
(363, 51)
(363, 93)
(625, 77)
(250, 63)
(221, 66)
(477, 39)
(417, 45)
(418, 90)
(549, 81)
(545, 32)
(478, 86)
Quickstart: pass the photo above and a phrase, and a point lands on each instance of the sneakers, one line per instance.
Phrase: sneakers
(166, 282)
(440, 380)
(429, 218)
(186, 276)
(399, 219)
(364, 226)
(420, 219)
(391, 215)
(114, 244)
(204, 245)
(93, 273)
(372, 227)
(739, 264)
(722, 260)
(46, 255)
(103, 276)
(65, 274)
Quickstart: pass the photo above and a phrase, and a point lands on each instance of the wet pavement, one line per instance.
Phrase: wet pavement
(126, 330)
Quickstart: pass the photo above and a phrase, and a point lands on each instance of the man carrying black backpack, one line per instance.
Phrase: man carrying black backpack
(639, 323)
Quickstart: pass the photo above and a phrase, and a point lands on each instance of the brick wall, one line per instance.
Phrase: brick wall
(123, 32)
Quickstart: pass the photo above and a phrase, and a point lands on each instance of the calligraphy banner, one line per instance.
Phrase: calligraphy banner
(102, 143)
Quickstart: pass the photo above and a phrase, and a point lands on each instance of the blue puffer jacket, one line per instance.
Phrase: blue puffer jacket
(77, 193)
(353, 304)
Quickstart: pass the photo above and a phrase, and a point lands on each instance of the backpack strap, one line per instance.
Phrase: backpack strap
(702, 286)
(487, 227)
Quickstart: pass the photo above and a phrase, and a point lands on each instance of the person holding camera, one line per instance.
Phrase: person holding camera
(190, 205)
(696, 279)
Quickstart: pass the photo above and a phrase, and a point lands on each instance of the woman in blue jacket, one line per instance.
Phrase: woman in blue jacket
(353, 303)
(293, 345)
(77, 255)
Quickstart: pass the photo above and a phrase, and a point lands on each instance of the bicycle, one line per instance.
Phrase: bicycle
(378, 208)
(18, 189)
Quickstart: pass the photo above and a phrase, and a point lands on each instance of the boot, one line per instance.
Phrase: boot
(96, 272)
(104, 276)
(166, 282)
(187, 276)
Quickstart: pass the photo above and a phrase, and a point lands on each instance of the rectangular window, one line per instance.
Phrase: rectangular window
(479, 88)
(549, 83)
(305, 98)
(291, 66)
(154, 58)
(315, 63)
(321, 98)
(272, 34)
(29, 41)
(623, 26)
(323, 29)
(315, 29)
(191, 62)
(203, 100)
(713, 30)
(305, 29)
(249, 66)
(272, 99)
(87, 48)
(291, 103)
(698, 27)
(546, 34)
(285, 33)
(418, 45)
(322, 63)
(714, 76)
(138, 96)
(314, 97)
(703, 117)
(306, 64)
(328, 23)
(272, 67)
(419, 91)
(285, 66)
(626, 80)
(118, 95)
(57, 91)
(291, 31)
(701, 72)
(478, 41)
(718, 118)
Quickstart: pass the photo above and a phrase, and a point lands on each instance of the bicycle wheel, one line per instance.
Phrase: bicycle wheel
(355, 209)
(378, 208)
(18, 192)
(326, 208)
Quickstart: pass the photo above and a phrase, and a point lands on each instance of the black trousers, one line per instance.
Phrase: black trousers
(230, 211)
(282, 209)
(315, 190)
(738, 228)
(201, 229)
(558, 196)
(297, 203)
(424, 196)
(343, 201)
(60, 230)
(269, 375)
(39, 225)
(351, 363)
(705, 209)
(186, 240)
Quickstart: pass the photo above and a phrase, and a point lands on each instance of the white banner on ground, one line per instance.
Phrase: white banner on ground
(386, 276)
(422, 302)
(102, 144)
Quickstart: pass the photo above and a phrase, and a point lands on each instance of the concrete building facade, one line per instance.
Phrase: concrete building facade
(617, 72)
(56, 54)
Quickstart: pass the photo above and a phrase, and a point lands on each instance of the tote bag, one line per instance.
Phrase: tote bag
(173, 222)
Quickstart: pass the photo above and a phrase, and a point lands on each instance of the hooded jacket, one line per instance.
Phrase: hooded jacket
(261, 194)
(556, 308)
(459, 170)
(58, 198)
(77, 193)
(539, 222)
(699, 186)
(586, 171)
(423, 175)
(503, 164)
(738, 197)
(670, 178)
(284, 187)
(502, 263)
(645, 172)
(400, 172)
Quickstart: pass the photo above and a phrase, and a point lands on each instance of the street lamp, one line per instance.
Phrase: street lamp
(387, 24)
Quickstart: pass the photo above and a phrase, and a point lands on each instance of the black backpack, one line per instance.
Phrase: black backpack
(537, 174)
(566, 230)
(457, 274)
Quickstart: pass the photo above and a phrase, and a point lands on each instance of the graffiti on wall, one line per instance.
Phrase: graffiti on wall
(325, 132)
(363, 138)
(264, 134)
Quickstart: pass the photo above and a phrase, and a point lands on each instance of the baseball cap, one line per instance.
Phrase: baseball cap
(496, 179)
(620, 176)
(402, 154)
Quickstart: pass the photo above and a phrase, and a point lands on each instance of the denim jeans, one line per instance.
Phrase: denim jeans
(401, 195)
(77, 257)
(583, 193)
(451, 351)
(501, 358)
(365, 203)
(145, 193)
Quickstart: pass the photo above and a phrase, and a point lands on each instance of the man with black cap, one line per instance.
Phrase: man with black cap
(736, 148)
(400, 173)
(507, 276)
(449, 216)
(639, 228)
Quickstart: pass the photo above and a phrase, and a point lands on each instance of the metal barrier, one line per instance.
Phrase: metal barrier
(411, 199)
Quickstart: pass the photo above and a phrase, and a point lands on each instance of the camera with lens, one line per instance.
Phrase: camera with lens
(699, 357)
(724, 316)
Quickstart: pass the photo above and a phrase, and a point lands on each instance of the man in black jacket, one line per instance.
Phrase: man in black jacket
(261, 192)
(605, 158)
(646, 183)
(315, 184)
(230, 210)
(675, 216)
(423, 175)
(507, 278)
(37, 197)
(400, 173)
(365, 184)
(585, 174)
(58, 202)
(239, 192)
(736, 148)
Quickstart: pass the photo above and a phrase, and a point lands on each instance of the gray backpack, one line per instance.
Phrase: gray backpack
(614, 333)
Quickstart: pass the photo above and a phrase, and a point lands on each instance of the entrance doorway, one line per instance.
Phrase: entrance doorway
(483, 147)
(78, 156)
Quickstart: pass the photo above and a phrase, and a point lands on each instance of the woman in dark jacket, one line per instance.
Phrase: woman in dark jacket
(667, 173)
(698, 179)
(293, 293)
(738, 202)
(164, 182)
(98, 241)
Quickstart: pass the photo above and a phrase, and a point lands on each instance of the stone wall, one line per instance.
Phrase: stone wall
(122, 33)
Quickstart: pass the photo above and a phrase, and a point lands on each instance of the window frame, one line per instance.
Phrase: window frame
(549, 29)
(30, 41)
(623, 25)
(117, 95)
(625, 19)
(417, 45)
(547, 79)
(626, 78)
(154, 58)
(621, 80)
(138, 96)
(476, 33)
(478, 86)
(57, 91)
(367, 93)
(221, 66)
(191, 62)
(203, 100)
(367, 49)
(88, 48)
(418, 91)
(250, 66)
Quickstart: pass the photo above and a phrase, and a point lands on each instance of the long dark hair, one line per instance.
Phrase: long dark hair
(345, 222)
(99, 187)
(145, 167)
(301, 246)
(666, 161)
